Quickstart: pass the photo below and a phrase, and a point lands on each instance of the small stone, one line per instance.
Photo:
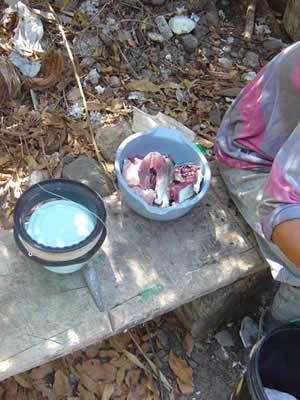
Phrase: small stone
(251, 59)
(156, 37)
(147, 73)
(93, 77)
(85, 45)
(181, 24)
(123, 35)
(230, 39)
(100, 89)
(95, 118)
(190, 43)
(248, 76)
(165, 72)
(227, 49)
(138, 96)
(106, 36)
(115, 81)
(215, 117)
(87, 62)
(201, 31)
(163, 27)
(109, 138)
(37, 176)
(273, 44)
(206, 52)
(86, 171)
(180, 95)
(224, 338)
(212, 18)
(226, 63)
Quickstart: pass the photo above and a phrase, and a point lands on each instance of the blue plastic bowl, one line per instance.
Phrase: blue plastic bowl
(181, 150)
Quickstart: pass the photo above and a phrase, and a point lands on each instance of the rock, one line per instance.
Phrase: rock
(207, 52)
(85, 45)
(181, 24)
(215, 117)
(248, 76)
(37, 176)
(147, 73)
(163, 27)
(156, 37)
(273, 44)
(115, 81)
(138, 96)
(106, 36)
(224, 338)
(212, 18)
(109, 138)
(200, 31)
(251, 59)
(93, 77)
(86, 170)
(190, 43)
(71, 5)
(226, 63)
(124, 35)
(88, 62)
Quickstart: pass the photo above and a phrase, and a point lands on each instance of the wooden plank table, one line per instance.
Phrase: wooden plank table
(146, 268)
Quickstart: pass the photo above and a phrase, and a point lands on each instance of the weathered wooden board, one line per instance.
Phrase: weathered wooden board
(146, 268)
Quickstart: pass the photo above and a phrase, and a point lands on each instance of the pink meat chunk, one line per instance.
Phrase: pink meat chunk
(187, 173)
(147, 194)
(131, 170)
(180, 191)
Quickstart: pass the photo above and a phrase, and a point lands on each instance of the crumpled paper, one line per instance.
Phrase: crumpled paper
(26, 40)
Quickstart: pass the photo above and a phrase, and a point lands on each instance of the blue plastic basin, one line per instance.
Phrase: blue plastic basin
(181, 150)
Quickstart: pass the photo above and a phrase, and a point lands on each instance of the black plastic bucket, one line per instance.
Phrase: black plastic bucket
(59, 189)
(274, 363)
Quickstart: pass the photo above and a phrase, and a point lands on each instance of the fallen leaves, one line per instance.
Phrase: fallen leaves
(52, 68)
(183, 372)
(61, 384)
(97, 371)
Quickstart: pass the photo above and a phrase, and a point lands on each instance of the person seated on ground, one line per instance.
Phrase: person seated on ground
(258, 148)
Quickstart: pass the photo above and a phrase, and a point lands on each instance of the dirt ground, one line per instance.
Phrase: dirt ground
(122, 64)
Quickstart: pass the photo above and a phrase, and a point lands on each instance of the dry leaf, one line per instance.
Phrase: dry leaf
(45, 390)
(10, 83)
(183, 372)
(120, 342)
(171, 85)
(89, 383)
(11, 391)
(24, 381)
(134, 359)
(112, 354)
(97, 371)
(108, 391)
(143, 85)
(51, 71)
(61, 384)
(4, 159)
(42, 371)
(230, 92)
(188, 344)
(132, 377)
(85, 394)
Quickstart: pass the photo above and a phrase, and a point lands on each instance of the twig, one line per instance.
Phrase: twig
(34, 100)
(250, 15)
(154, 353)
(126, 59)
(100, 158)
(154, 368)
(45, 157)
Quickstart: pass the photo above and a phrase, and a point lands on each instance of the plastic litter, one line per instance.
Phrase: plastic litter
(27, 41)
